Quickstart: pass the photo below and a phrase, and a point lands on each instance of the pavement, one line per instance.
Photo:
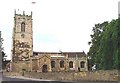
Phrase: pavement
(25, 78)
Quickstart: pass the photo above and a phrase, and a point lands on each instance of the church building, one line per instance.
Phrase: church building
(24, 58)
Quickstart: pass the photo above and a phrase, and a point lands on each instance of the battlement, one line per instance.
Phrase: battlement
(17, 14)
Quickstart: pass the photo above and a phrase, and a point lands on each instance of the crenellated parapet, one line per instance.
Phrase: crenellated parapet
(16, 14)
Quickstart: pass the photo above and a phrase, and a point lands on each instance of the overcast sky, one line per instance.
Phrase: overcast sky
(63, 25)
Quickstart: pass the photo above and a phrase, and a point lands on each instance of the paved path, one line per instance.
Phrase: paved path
(22, 78)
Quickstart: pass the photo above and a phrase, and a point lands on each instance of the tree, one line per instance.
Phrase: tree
(98, 29)
(2, 54)
(105, 45)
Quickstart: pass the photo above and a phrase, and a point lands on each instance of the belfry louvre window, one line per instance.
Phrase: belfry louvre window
(70, 64)
(62, 64)
(22, 27)
(52, 64)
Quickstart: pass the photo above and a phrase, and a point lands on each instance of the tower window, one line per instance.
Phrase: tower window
(22, 27)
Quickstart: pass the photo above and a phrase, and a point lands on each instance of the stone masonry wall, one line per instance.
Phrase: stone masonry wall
(74, 76)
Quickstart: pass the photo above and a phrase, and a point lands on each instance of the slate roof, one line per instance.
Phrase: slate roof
(70, 54)
(73, 54)
(35, 53)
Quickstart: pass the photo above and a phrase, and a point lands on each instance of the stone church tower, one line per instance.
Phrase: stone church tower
(22, 47)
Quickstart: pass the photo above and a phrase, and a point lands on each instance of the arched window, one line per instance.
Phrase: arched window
(70, 64)
(52, 64)
(22, 27)
(62, 64)
(82, 64)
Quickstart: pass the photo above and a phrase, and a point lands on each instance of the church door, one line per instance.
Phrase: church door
(44, 68)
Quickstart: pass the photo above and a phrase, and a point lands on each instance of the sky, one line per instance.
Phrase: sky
(63, 25)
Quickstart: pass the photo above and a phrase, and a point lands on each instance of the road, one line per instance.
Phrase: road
(21, 79)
